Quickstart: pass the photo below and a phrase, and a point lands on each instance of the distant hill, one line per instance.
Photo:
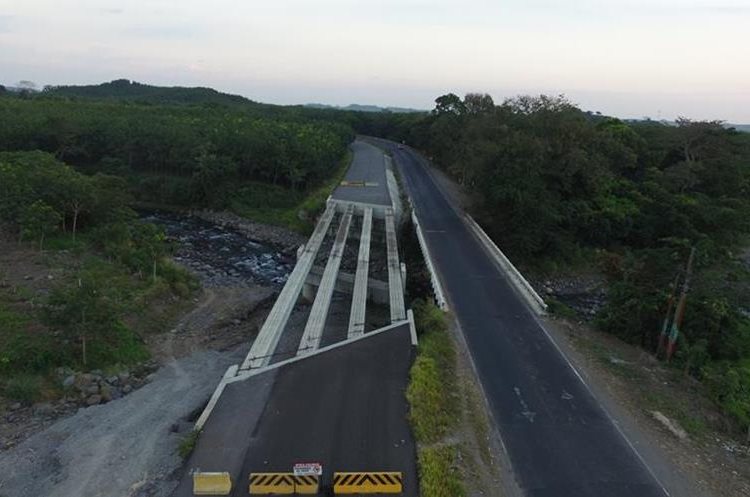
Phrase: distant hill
(740, 127)
(123, 89)
(366, 108)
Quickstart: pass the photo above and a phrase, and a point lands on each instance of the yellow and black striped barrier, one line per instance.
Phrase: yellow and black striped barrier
(306, 485)
(367, 483)
(271, 483)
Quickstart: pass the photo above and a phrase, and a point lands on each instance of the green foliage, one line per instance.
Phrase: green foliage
(186, 155)
(730, 386)
(38, 220)
(25, 388)
(24, 347)
(187, 444)
(439, 475)
(432, 388)
(88, 315)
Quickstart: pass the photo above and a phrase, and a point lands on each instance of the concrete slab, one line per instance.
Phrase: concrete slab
(368, 171)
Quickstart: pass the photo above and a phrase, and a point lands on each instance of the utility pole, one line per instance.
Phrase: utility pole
(680, 312)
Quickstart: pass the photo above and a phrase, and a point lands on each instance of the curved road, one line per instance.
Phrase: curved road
(561, 443)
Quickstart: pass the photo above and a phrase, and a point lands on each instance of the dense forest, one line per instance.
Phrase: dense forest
(557, 188)
(182, 155)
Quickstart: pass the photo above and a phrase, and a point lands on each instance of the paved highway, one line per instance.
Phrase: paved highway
(560, 441)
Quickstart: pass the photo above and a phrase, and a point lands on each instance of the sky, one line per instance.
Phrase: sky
(628, 58)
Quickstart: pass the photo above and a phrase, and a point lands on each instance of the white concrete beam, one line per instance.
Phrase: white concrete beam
(268, 337)
(359, 295)
(395, 285)
(319, 312)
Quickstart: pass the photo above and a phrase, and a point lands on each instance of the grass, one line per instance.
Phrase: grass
(279, 206)
(439, 475)
(24, 388)
(432, 389)
(559, 308)
(187, 444)
(434, 404)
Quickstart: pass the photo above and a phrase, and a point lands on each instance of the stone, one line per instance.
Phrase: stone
(123, 376)
(44, 409)
(94, 400)
(672, 426)
(15, 406)
(83, 381)
(127, 389)
(69, 381)
(113, 380)
(92, 389)
(106, 393)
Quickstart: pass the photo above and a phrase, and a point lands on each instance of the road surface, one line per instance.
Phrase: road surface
(560, 442)
(367, 171)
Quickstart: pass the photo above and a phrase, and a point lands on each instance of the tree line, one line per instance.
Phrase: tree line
(556, 186)
(186, 155)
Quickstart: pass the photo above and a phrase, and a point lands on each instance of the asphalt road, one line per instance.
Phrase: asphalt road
(368, 166)
(345, 408)
(560, 442)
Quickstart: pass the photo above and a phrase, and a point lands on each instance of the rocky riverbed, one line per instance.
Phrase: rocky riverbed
(222, 255)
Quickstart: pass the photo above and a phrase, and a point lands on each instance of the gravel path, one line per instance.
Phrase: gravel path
(127, 447)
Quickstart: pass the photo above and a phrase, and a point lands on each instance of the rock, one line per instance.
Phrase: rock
(106, 393)
(15, 406)
(149, 378)
(94, 400)
(236, 322)
(670, 425)
(83, 381)
(92, 390)
(28, 277)
(127, 389)
(113, 380)
(69, 381)
(44, 409)
(123, 377)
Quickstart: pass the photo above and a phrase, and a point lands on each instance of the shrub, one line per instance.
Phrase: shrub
(24, 388)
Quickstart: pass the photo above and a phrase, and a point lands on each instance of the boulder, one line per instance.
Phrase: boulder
(94, 400)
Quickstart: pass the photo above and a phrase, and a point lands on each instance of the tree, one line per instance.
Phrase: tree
(38, 220)
(449, 103)
(478, 103)
(84, 312)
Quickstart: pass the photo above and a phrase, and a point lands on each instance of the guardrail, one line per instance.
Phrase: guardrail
(437, 288)
(516, 278)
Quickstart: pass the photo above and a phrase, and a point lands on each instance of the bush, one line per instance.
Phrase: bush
(729, 384)
(438, 473)
(187, 444)
(432, 386)
(24, 388)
